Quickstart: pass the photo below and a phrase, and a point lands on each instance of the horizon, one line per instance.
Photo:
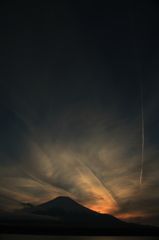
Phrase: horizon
(79, 105)
(27, 206)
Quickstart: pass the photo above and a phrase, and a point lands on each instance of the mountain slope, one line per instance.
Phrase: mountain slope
(66, 203)
(63, 216)
(67, 210)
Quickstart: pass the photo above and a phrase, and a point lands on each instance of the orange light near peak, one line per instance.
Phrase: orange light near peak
(102, 208)
(128, 216)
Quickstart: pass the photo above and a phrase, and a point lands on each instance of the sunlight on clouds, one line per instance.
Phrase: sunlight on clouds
(100, 169)
(130, 216)
(66, 173)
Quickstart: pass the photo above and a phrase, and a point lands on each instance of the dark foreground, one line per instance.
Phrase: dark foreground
(64, 216)
(80, 231)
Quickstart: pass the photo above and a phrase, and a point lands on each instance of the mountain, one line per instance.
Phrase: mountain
(68, 211)
(64, 202)
(64, 216)
(67, 204)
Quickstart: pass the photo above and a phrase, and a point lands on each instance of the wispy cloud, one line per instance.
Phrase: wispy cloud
(92, 157)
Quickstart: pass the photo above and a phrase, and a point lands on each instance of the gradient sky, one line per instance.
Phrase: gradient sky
(70, 98)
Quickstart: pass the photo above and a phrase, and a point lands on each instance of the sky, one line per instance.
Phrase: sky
(79, 105)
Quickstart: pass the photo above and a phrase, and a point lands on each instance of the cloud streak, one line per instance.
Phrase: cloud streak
(53, 144)
(100, 171)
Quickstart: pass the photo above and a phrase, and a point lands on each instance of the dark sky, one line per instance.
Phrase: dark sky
(73, 74)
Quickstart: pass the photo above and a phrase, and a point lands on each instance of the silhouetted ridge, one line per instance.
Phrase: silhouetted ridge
(66, 203)
(65, 211)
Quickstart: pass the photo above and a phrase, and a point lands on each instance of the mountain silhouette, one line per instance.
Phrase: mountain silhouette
(69, 211)
(64, 216)
(67, 204)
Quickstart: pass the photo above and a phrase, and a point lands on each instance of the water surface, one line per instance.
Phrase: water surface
(51, 237)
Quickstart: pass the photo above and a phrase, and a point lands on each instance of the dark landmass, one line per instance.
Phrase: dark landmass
(64, 216)
(76, 231)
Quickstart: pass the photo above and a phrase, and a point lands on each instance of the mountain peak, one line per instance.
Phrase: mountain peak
(62, 197)
(65, 203)
(70, 211)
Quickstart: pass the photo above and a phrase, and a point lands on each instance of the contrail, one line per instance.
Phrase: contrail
(139, 74)
(143, 133)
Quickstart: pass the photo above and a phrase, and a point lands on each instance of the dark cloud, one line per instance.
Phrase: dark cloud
(27, 204)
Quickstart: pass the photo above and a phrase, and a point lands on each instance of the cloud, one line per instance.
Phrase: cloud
(85, 153)
(27, 204)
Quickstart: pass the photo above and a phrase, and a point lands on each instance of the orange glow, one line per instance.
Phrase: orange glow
(102, 208)
(131, 215)
(123, 216)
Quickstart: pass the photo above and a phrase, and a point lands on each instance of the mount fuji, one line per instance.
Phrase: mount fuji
(67, 210)
(64, 216)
